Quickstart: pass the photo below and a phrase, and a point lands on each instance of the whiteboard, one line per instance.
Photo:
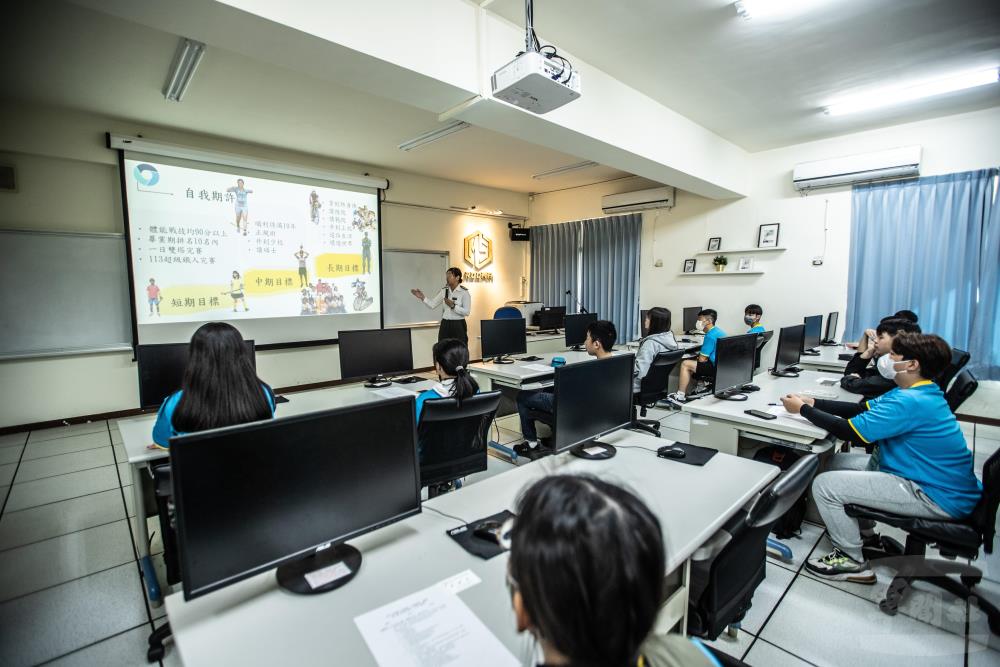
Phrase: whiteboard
(403, 270)
(62, 292)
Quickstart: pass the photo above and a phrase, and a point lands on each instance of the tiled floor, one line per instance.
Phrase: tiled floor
(71, 593)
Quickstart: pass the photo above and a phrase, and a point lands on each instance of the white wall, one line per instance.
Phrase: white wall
(791, 286)
(49, 145)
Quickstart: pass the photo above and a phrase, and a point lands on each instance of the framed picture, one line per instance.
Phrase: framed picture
(689, 265)
(767, 235)
(745, 264)
(715, 243)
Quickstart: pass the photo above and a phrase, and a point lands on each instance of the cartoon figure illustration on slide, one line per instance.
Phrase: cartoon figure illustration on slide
(236, 291)
(366, 254)
(153, 296)
(240, 193)
(361, 298)
(302, 256)
(314, 207)
(364, 218)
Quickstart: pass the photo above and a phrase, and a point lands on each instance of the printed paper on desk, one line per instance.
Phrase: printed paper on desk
(394, 392)
(780, 411)
(827, 382)
(431, 628)
(541, 368)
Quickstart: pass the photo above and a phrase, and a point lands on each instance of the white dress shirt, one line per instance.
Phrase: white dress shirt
(461, 297)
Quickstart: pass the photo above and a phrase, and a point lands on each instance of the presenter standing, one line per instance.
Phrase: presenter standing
(457, 306)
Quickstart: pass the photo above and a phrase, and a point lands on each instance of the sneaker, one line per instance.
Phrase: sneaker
(677, 399)
(529, 452)
(838, 566)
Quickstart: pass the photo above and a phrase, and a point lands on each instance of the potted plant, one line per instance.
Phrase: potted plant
(720, 262)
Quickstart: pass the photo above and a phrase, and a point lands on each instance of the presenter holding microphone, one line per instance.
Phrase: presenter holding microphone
(457, 306)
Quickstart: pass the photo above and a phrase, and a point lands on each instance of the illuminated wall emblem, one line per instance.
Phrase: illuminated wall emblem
(478, 250)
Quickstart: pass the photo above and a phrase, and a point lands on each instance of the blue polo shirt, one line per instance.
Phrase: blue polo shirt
(920, 440)
(709, 343)
(163, 429)
(758, 328)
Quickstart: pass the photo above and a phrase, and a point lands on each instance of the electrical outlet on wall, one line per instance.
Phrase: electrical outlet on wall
(817, 261)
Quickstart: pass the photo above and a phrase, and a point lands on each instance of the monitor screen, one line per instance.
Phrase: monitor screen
(813, 324)
(576, 327)
(643, 331)
(592, 398)
(504, 336)
(161, 370)
(252, 497)
(552, 317)
(734, 362)
(831, 326)
(375, 352)
(690, 317)
(789, 347)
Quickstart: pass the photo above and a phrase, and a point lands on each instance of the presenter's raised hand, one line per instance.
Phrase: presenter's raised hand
(417, 293)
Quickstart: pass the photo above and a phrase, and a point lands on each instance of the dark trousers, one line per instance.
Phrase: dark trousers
(534, 402)
(454, 329)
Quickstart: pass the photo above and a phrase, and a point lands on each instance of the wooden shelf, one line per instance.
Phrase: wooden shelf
(724, 251)
(721, 273)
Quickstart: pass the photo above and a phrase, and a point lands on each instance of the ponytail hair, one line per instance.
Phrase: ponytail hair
(452, 356)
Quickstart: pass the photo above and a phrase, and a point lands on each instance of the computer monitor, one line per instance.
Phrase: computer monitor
(375, 353)
(762, 340)
(503, 337)
(830, 335)
(551, 317)
(592, 398)
(734, 364)
(290, 492)
(811, 336)
(643, 331)
(789, 351)
(690, 318)
(576, 328)
(161, 370)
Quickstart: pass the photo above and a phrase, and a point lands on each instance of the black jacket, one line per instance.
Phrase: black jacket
(870, 384)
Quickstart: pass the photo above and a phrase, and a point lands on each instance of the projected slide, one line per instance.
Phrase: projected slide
(208, 245)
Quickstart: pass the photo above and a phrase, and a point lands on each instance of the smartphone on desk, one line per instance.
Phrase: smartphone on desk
(761, 414)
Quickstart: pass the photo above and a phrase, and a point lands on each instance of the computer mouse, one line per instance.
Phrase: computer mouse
(671, 452)
(489, 531)
(751, 387)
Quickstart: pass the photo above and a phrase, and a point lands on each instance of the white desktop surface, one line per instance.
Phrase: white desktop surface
(256, 623)
(522, 371)
(827, 360)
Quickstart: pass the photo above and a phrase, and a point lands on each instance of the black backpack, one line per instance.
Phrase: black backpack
(790, 523)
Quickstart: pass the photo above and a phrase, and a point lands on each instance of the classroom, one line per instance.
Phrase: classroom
(500, 332)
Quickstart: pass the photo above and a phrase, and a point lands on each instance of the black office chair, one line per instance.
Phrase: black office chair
(965, 385)
(654, 388)
(959, 358)
(453, 438)
(163, 489)
(727, 570)
(954, 539)
(762, 340)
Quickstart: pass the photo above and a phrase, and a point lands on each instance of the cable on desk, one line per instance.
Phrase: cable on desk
(448, 516)
(635, 447)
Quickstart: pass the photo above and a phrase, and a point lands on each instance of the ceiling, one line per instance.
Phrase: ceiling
(72, 57)
(761, 83)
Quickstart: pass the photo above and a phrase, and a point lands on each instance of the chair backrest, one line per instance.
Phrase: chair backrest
(762, 340)
(958, 360)
(781, 494)
(452, 437)
(984, 517)
(965, 385)
(507, 313)
(654, 386)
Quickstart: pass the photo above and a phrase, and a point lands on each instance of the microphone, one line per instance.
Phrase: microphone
(580, 305)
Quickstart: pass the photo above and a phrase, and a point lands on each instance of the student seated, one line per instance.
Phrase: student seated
(600, 341)
(704, 366)
(451, 360)
(751, 317)
(923, 467)
(861, 376)
(220, 387)
(586, 574)
(658, 339)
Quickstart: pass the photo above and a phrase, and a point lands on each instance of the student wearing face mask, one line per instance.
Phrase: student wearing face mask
(704, 365)
(751, 318)
(861, 376)
(924, 468)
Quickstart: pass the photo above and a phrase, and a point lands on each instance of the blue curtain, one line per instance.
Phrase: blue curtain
(985, 344)
(611, 271)
(554, 264)
(919, 245)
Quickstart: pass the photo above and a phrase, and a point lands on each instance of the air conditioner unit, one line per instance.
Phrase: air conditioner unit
(884, 165)
(641, 200)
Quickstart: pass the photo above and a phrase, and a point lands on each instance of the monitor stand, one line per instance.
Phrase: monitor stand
(330, 568)
(377, 382)
(787, 373)
(503, 359)
(593, 451)
(812, 352)
(732, 395)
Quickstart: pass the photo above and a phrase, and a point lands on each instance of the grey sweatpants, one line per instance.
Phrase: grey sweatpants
(848, 482)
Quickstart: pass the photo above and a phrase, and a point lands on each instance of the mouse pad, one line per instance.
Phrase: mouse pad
(695, 455)
(477, 546)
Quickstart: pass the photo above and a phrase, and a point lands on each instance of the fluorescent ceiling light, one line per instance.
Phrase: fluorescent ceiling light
(758, 9)
(564, 170)
(433, 135)
(186, 61)
(899, 94)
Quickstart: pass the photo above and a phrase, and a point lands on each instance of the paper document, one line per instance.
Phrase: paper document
(780, 411)
(431, 628)
(827, 382)
(541, 368)
(394, 392)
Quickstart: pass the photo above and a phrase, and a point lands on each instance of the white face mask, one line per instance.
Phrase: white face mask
(699, 325)
(887, 367)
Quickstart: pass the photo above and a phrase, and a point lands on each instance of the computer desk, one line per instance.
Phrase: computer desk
(256, 623)
(719, 424)
(137, 435)
(827, 360)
